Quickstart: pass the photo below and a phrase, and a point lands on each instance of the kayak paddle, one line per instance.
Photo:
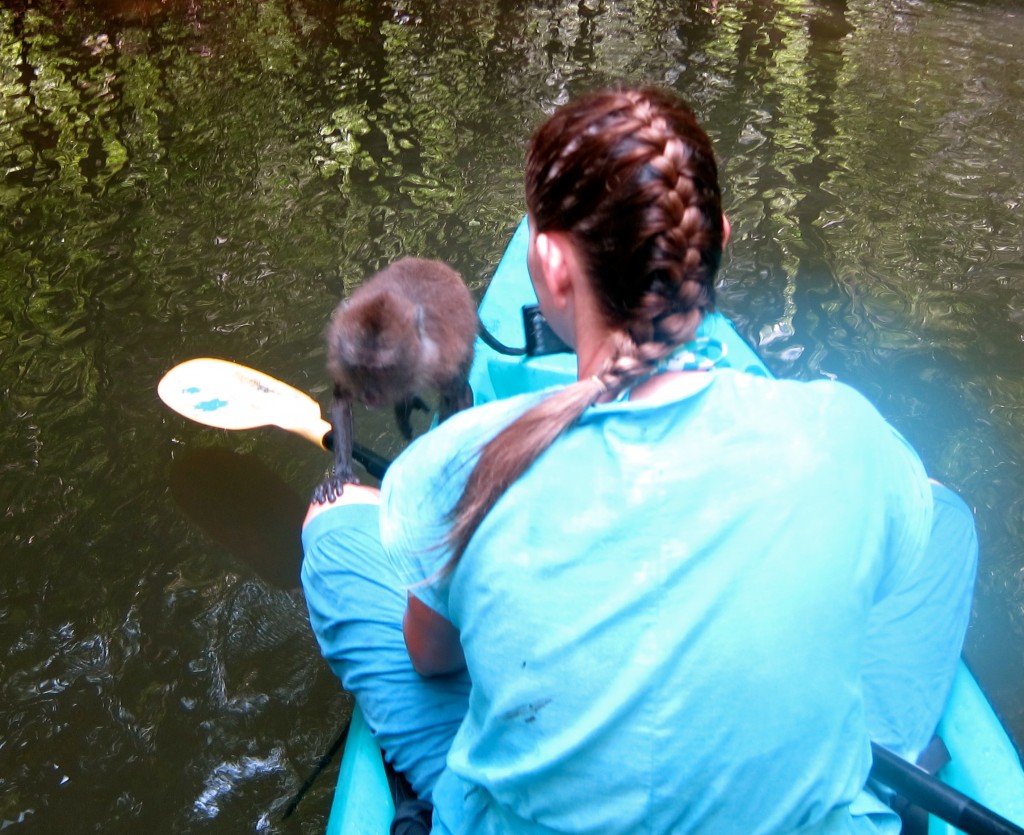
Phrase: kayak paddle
(227, 395)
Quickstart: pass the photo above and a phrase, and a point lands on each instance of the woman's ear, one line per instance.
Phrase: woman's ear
(555, 260)
(726, 230)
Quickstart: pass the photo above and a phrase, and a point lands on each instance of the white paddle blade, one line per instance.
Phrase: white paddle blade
(227, 395)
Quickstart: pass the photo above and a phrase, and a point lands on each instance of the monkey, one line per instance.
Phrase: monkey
(409, 329)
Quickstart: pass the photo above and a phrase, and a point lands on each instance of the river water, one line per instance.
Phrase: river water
(208, 177)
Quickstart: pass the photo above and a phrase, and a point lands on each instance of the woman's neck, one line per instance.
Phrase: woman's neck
(670, 385)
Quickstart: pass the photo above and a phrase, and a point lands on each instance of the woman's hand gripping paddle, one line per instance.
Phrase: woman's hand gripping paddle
(227, 395)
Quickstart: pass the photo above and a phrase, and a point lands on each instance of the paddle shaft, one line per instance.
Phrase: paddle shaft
(374, 463)
(935, 797)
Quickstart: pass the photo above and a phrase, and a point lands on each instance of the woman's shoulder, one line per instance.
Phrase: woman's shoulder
(833, 413)
(476, 424)
(824, 393)
(445, 451)
(423, 484)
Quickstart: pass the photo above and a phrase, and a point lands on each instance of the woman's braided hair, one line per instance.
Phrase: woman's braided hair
(630, 178)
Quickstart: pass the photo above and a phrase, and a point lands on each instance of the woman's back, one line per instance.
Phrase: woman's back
(663, 618)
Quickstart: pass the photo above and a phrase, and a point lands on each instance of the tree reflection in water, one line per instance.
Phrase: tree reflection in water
(191, 178)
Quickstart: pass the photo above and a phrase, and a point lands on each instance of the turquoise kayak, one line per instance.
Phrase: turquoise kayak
(984, 764)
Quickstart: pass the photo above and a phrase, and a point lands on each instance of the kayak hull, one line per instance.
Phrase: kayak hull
(362, 798)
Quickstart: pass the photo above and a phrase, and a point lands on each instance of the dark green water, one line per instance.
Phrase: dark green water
(207, 178)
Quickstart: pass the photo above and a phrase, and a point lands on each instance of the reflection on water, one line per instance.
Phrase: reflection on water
(208, 177)
(242, 504)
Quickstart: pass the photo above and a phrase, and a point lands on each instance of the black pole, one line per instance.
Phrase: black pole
(374, 463)
(935, 797)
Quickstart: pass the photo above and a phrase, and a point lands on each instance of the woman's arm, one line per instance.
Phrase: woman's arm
(432, 641)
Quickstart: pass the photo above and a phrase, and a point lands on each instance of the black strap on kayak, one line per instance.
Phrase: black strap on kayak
(930, 793)
(540, 339)
(412, 817)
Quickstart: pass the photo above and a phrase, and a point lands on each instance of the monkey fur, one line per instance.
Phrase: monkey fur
(408, 330)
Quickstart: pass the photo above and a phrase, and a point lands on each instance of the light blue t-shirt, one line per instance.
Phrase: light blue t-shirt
(664, 618)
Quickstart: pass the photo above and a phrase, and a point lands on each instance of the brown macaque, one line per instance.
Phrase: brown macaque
(410, 329)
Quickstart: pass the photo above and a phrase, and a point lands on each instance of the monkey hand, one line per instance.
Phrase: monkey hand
(332, 487)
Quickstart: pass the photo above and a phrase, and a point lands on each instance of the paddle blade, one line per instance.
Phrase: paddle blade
(227, 395)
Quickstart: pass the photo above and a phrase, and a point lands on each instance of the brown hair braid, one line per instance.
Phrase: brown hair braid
(630, 178)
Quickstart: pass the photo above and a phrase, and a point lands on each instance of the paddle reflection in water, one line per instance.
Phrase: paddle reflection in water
(244, 506)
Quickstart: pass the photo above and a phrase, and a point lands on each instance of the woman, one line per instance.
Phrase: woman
(686, 598)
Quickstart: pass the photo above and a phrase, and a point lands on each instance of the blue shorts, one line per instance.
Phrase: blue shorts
(356, 603)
